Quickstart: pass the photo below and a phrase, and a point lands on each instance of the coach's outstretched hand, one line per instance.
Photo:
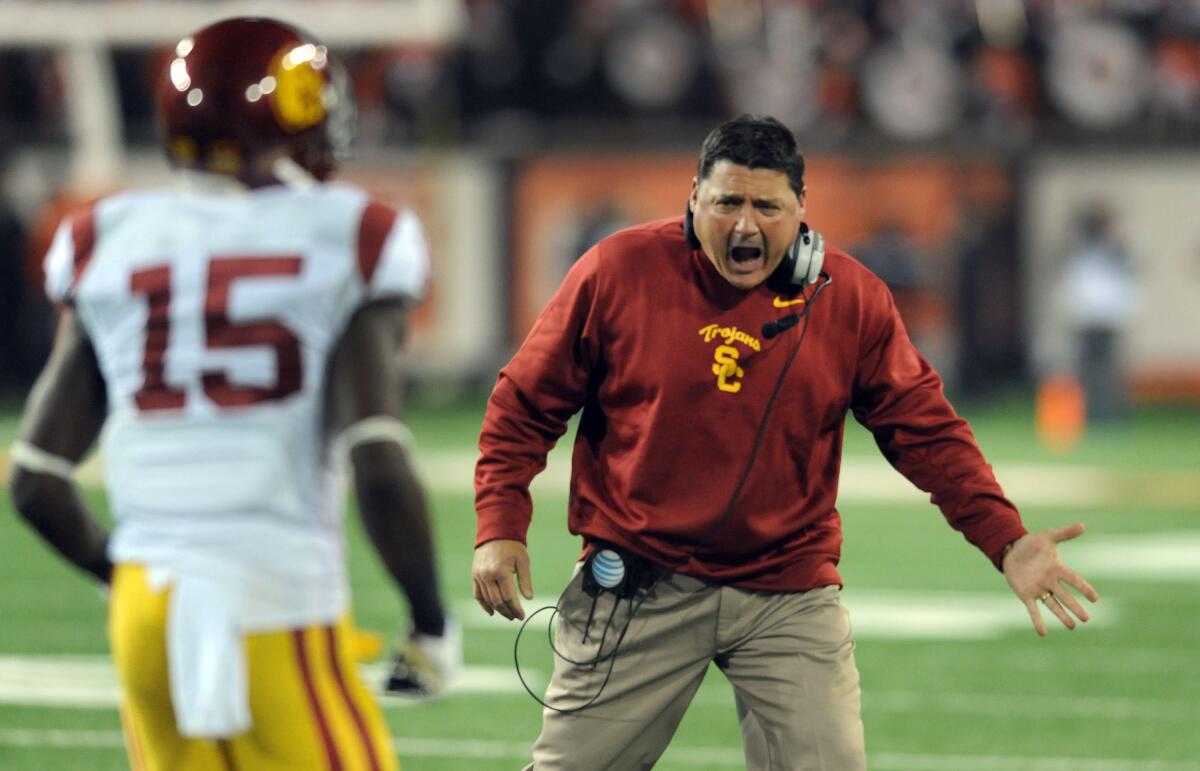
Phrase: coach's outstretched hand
(492, 571)
(1036, 574)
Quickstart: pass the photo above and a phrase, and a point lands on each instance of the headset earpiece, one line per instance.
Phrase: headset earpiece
(801, 265)
(816, 259)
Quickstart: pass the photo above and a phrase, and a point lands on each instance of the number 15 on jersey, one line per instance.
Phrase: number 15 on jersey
(220, 332)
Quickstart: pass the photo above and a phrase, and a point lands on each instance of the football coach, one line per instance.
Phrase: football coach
(714, 357)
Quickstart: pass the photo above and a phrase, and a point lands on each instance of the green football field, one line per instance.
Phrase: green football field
(954, 679)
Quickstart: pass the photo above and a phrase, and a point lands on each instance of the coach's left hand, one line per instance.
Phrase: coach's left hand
(492, 571)
(1036, 574)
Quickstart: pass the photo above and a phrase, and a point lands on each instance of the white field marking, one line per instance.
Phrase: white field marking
(1008, 706)
(864, 479)
(60, 681)
(896, 761)
(914, 615)
(1025, 706)
(1108, 661)
(1162, 556)
(695, 757)
(61, 738)
(88, 682)
(868, 479)
(85, 682)
(874, 615)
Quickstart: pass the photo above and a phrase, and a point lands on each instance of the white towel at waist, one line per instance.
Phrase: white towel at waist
(206, 658)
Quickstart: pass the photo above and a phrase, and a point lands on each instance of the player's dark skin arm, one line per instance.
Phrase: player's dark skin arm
(364, 381)
(63, 417)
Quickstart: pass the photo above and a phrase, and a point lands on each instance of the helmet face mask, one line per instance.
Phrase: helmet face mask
(241, 94)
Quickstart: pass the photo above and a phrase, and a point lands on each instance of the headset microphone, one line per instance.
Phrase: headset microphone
(773, 328)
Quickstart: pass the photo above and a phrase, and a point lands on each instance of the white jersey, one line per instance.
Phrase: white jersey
(214, 317)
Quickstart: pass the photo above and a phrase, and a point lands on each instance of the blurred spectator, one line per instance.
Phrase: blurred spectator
(988, 316)
(652, 62)
(591, 226)
(845, 39)
(767, 60)
(18, 91)
(1098, 297)
(1097, 73)
(14, 369)
(892, 255)
(913, 91)
(1176, 94)
(1003, 97)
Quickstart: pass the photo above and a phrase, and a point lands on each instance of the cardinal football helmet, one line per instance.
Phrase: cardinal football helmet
(245, 94)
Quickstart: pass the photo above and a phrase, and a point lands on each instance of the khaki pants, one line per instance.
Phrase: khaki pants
(789, 657)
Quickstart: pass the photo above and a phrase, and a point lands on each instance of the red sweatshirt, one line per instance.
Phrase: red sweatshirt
(672, 371)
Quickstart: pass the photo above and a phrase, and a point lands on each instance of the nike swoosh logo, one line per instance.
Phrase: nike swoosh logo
(779, 302)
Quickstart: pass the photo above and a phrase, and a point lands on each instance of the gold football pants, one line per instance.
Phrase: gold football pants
(309, 708)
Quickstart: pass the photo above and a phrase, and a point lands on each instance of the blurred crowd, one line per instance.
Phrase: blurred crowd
(990, 72)
(993, 74)
(854, 78)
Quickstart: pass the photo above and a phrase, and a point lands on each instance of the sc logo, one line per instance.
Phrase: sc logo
(729, 374)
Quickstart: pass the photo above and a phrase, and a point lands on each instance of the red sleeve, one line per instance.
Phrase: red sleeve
(83, 233)
(69, 255)
(373, 229)
(536, 394)
(899, 398)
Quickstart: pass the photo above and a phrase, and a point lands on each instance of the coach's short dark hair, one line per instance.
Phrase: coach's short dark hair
(757, 142)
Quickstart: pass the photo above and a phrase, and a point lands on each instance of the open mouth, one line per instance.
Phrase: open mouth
(746, 259)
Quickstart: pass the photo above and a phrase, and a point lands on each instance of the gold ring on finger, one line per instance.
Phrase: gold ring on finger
(1045, 596)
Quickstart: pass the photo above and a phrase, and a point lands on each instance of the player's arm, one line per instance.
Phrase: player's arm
(366, 408)
(62, 419)
(365, 414)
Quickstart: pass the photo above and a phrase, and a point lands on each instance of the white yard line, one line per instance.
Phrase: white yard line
(696, 757)
(1160, 556)
(1034, 707)
(895, 761)
(1109, 661)
(874, 614)
(869, 479)
(480, 749)
(61, 738)
(1010, 707)
(865, 479)
(88, 682)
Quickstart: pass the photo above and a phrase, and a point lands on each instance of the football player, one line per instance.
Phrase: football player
(234, 337)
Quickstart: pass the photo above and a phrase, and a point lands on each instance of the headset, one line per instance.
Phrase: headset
(802, 263)
(608, 569)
